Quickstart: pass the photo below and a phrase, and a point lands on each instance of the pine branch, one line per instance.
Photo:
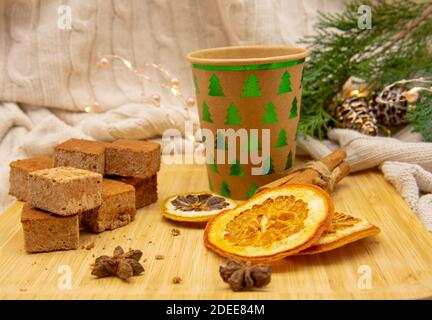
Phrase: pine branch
(396, 47)
(427, 14)
(421, 116)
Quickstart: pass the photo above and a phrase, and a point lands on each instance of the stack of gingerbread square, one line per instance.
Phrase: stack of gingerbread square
(130, 177)
(135, 163)
(61, 197)
(55, 198)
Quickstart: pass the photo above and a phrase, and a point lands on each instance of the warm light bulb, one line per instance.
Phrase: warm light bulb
(156, 99)
(104, 63)
(190, 102)
(175, 82)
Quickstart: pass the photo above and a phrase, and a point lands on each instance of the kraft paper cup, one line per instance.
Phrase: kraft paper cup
(249, 87)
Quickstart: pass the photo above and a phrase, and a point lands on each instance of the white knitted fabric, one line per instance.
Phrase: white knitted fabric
(366, 152)
(405, 162)
(47, 65)
(411, 180)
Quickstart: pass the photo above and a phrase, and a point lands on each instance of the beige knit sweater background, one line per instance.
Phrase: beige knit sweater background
(48, 74)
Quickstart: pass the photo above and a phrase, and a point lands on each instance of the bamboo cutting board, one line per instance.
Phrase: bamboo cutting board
(395, 264)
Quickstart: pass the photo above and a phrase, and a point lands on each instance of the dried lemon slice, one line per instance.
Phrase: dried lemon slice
(195, 207)
(344, 229)
(272, 224)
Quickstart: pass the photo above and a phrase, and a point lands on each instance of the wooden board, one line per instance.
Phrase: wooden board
(399, 260)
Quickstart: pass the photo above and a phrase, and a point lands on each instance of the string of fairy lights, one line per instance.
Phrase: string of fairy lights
(170, 83)
(412, 94)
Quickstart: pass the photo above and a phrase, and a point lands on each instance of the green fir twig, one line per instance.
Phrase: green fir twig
(420, 116)
(396, 47)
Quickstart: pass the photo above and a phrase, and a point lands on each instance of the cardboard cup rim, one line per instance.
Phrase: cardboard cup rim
(260, 54)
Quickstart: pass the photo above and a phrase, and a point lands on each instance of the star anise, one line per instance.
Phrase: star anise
(122, 264)
(243, 276)
(199, 202)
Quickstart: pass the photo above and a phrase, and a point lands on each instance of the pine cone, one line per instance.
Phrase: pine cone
(354, 113)
(390, 106)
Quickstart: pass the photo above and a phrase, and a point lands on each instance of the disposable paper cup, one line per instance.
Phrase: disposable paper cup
(249, 87)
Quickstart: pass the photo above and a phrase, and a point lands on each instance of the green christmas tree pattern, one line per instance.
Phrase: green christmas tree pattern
(215, 89)
(289, 161)
(269, 166)
(233, 116)
(301, 80)
(225, 190)
(293, 112)
(206, 116)
(197, 89)
(210, 183)
(213, 165)
(270, 115)
(236, 169)
(285, 85)
(251, 87)
(251, 190)
(282, 139)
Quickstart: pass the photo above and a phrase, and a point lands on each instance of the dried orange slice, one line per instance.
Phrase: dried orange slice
(272, 224)
(195, 207)
(344, 229)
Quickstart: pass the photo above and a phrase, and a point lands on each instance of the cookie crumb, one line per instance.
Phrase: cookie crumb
(175, 232)
(177, 280)
(23, 289)
(90, 246)
(159, 257)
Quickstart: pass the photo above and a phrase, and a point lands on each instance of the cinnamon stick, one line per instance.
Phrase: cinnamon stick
(332, 161)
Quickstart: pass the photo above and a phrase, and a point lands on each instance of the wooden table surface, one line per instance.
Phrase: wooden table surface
(395, 264)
